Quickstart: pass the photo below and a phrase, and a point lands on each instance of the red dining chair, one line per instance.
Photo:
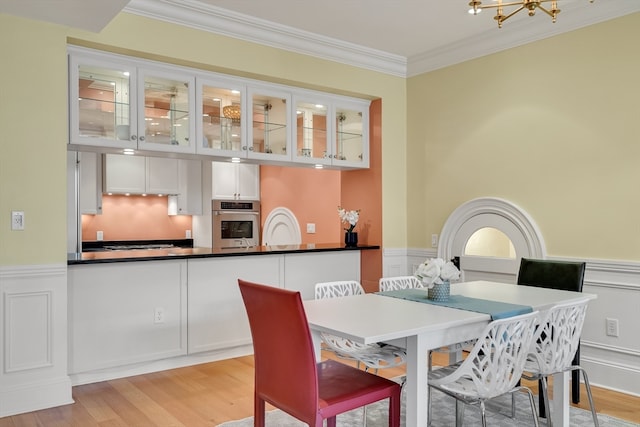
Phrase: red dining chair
(286, 373)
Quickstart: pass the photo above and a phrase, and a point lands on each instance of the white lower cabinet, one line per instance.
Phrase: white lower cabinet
(127, 317)
(302, 271)
(125, 313)
(217, 318)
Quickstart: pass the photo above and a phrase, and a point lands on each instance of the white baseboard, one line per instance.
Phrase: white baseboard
(159, 365)
(35, 396)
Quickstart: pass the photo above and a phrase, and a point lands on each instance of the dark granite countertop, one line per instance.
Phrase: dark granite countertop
(186, 253)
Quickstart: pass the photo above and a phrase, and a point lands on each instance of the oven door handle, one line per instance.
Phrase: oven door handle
(235, 213)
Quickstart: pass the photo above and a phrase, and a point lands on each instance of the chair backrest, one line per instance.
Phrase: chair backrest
(496, 362)
(399, 282)
(285, 363)
(568, 276)
(341, 288)
(558, 337)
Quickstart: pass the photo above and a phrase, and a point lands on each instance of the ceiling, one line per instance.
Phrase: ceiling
(398, 37)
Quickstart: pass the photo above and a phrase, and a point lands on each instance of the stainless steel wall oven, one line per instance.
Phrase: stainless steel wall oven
(236, 223)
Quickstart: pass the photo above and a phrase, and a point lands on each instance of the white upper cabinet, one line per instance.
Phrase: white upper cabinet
(166, 118)
(269, 119)
(90, 183)
(350, 133)
(140, 175)
(116, 103)
(221, 128)
(331, 130)
(311, 129)
(235, 181)
(102, 99)
(119, 102)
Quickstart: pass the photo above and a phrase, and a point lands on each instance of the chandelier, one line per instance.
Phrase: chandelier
(530, 5)
(232, 112)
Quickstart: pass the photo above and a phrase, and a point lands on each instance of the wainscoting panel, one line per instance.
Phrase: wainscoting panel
(611, 362)
(28, 325)
(33, 335)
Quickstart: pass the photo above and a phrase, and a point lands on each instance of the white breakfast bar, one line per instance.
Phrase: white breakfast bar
(372, 318)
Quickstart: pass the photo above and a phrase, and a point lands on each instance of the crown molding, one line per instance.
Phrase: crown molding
(197, 15)
(517, 32)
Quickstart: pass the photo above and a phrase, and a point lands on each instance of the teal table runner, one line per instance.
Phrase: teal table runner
(496, 309)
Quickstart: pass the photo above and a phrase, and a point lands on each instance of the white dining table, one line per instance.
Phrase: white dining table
(421, 327)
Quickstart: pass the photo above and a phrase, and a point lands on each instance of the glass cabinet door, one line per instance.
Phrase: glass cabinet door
(311, 136)
(101, 103)
(165, 114)
(220, 106)
(269, 133)
(351, 142)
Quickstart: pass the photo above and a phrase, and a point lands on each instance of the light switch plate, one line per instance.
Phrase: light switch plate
(17, 220)
(311, 228)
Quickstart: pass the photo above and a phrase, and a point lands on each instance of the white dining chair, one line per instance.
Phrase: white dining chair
(554, 348)
(399, 282)
(373, 356)
(492, 368)
(396, 283)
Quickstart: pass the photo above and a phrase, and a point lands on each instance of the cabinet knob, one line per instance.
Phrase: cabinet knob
(244, 147)
(134, 137)
(142, 138)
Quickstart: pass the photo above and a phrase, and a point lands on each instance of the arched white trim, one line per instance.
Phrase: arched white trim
(496, 206)
(278, 219)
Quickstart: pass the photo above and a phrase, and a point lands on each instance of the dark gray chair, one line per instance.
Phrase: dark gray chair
(564, 275)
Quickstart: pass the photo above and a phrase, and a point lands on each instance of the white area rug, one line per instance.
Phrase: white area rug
(498, 414)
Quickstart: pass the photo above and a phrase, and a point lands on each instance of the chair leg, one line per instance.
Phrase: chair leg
(543, 398)
(542, 409)
(258, 412)
(532, 402)
(589, 395)
(429, 416)
(483, 414)
(394, 410)
(575, 378)
(331, 422)
(459, 413)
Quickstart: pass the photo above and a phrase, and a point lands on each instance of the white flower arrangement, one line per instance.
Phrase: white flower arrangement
(437, 271)
(349, 217)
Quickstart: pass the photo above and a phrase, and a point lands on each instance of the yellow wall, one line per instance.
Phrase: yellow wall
(551, 126)
(34, 120)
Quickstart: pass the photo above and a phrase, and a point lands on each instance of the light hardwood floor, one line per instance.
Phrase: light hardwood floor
(204, 395)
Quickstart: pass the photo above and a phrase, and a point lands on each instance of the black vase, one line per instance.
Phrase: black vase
(351, 239)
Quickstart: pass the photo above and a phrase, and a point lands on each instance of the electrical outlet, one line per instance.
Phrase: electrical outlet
(434, 240)
(99, 235)
(612, 327)
(17, 220)
(158, 315)
(311, 228)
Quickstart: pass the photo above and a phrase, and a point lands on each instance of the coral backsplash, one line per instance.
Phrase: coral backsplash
(135, 218)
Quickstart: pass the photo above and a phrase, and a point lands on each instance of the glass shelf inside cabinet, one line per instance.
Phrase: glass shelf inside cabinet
(311, 130)
(103, 103)
(269, 126)
(166, 111)
(349, 135)
(221, 118)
